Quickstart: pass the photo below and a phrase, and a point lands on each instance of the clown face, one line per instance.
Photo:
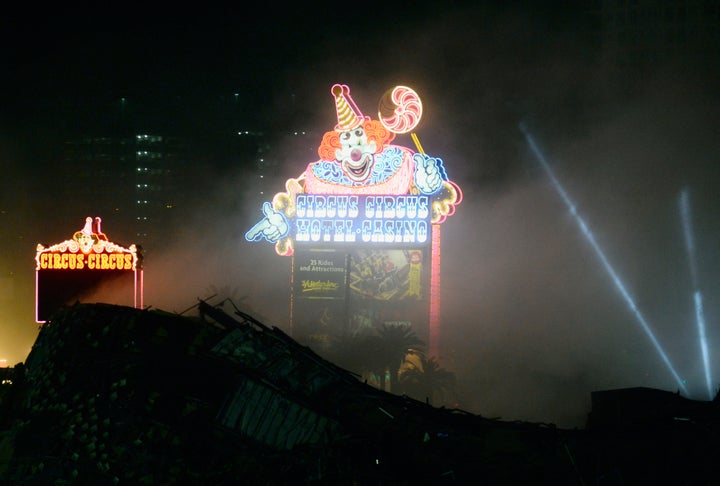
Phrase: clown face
(356, 155)
(85, 241)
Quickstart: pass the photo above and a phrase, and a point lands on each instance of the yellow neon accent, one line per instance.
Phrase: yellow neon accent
(87, 250)
(93, 261)
(442, 208)
(417, 143)
(285, 201)
(285, 247)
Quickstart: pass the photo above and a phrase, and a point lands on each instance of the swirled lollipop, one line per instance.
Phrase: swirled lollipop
(400, 109)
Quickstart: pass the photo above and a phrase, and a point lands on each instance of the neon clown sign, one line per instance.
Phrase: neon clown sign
(363, 189)
(72, 268)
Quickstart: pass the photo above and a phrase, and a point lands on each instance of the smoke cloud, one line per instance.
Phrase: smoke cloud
(531, 321)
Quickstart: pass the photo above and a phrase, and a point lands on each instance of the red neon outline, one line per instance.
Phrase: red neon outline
(434, 326)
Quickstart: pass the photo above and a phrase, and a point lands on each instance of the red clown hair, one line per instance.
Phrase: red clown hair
(374, 130)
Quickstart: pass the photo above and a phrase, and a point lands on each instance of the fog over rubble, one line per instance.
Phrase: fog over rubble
(532, 320)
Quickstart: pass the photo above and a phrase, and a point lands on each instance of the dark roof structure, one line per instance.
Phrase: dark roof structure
(117, 395)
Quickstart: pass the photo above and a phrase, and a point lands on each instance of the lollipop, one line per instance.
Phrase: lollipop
(400, 109)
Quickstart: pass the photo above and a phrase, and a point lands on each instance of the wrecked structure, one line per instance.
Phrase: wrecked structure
(119, 395)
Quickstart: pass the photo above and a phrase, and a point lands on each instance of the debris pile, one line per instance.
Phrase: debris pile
(117, 395)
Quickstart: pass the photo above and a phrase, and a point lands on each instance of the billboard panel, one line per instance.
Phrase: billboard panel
(320, 274)
(353, 290)
(387, 275)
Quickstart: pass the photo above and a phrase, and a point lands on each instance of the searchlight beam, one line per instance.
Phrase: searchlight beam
(591, 239)
(697, 295)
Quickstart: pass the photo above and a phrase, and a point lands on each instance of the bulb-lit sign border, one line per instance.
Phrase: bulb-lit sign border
(88, 252)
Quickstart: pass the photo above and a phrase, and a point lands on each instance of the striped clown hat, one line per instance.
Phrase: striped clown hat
(348, 114)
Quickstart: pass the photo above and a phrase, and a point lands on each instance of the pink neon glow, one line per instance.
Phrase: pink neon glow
(142, 290)
(135, 290)
(434, 331)
(399, 183)
(37, 316)
(292, 292)
(400, 109)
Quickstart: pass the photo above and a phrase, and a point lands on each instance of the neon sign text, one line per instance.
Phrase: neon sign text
(331, 206)
(309, 205)
(80, 261)
(310, 286)
(361, 219)
(76, 268)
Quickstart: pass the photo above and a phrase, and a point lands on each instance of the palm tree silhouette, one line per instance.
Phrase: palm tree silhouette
(423, 378)
(376, 353)
(352, 351)
(389, 347)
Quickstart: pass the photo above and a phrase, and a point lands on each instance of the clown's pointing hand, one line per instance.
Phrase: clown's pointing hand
(272, 227)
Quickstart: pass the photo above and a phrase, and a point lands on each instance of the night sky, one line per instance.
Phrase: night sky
(533, 319)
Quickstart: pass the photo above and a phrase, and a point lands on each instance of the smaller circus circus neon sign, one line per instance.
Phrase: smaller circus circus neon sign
(72, 268)
(363, 188)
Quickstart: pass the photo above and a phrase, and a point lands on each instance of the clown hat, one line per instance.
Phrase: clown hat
(87, 230)
(348, 114)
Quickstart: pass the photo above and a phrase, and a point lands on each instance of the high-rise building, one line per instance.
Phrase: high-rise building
(160, 179)
(134, 181)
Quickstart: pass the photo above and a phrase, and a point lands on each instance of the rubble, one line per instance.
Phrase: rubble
(118, 395)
